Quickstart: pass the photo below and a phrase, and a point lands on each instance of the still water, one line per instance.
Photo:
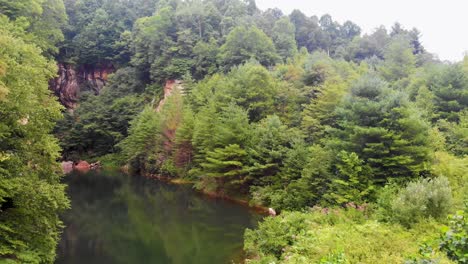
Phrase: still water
(116, 218)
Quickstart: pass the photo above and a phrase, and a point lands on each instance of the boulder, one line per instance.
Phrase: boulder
(82, 165)
(67, 166)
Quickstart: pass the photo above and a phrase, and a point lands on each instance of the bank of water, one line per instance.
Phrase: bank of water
(116, 218)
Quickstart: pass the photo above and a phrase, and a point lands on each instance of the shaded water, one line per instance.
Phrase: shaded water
(116, 218)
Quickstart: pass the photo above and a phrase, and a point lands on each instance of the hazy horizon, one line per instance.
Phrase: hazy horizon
(442, 24)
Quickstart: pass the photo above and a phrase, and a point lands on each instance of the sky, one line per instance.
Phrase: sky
(443, 23)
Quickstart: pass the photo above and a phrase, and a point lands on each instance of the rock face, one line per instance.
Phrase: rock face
(168, 88)
(71, 80)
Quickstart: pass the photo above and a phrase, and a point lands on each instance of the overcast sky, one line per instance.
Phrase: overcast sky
(443, 23)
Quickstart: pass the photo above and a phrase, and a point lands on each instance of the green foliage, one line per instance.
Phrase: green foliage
(31, 195)
(272, 143)
(455, 238)
(317, 129)
(418, 201)
(283, 38)
(205, 54)
(303, 180)
(399, 60)
(352, 180)
(450, 87)
(252, 87)
(323, 236)
(144, 134)
(95, 32)
(224, 162)
(220, 144)
(245, 43)
(383, 129)
(151, 138)
(275, 234)
(42, 21)
(102, 121)
(456, 134)
(331, 82)
(454, 169)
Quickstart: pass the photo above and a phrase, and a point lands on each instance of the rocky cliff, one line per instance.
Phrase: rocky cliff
(71, 80)
(168, 88)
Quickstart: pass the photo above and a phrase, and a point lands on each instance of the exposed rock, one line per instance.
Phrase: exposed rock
(271, 212)
(82, 165)
(95, 165)
(70, 80)
(67, 166)
(168, 88)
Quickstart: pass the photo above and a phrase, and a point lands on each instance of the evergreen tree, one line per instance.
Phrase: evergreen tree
(383, 129)
(450, 88)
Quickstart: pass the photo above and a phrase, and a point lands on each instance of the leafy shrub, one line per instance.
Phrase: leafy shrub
(339, 236)
(455, 238)
(168, 168)
(275, 234)
(421, 199)
(425, 256)
(454, 168)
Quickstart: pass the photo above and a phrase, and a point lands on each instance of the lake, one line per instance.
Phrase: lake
(117, 218)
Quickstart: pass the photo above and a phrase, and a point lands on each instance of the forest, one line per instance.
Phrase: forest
(358, 141)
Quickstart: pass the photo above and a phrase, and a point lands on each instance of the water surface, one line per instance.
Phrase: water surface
(116, 218)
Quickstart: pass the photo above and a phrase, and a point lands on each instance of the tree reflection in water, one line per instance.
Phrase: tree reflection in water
(117, 218)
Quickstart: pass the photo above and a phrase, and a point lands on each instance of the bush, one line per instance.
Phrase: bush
(454, 168)
(422, 199)
(274, 234)
(339, 236)
(455, 238)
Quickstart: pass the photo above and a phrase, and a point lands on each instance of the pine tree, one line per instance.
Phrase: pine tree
(383, 129)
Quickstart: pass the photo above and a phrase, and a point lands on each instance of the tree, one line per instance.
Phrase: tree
(205, 58)
(102, 121)
(283, 38)
(331, 82)
(162, 51)
(369, 46)
(271, 141)
(306, 30)
(450, 87)
(349, 30)
(94, 32)
(399, 59)
(96, 40)
(245, 43)
(220, 145)
(143, 139)
(42, 20)
(320, 113)
(222, 163)
(351, 182)
(384, 130)
(31, 195)
(252, 87)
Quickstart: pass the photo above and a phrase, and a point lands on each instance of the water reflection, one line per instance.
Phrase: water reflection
(121, 219)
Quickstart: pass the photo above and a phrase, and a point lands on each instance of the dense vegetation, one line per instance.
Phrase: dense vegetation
(31, 195)
(349, 135)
